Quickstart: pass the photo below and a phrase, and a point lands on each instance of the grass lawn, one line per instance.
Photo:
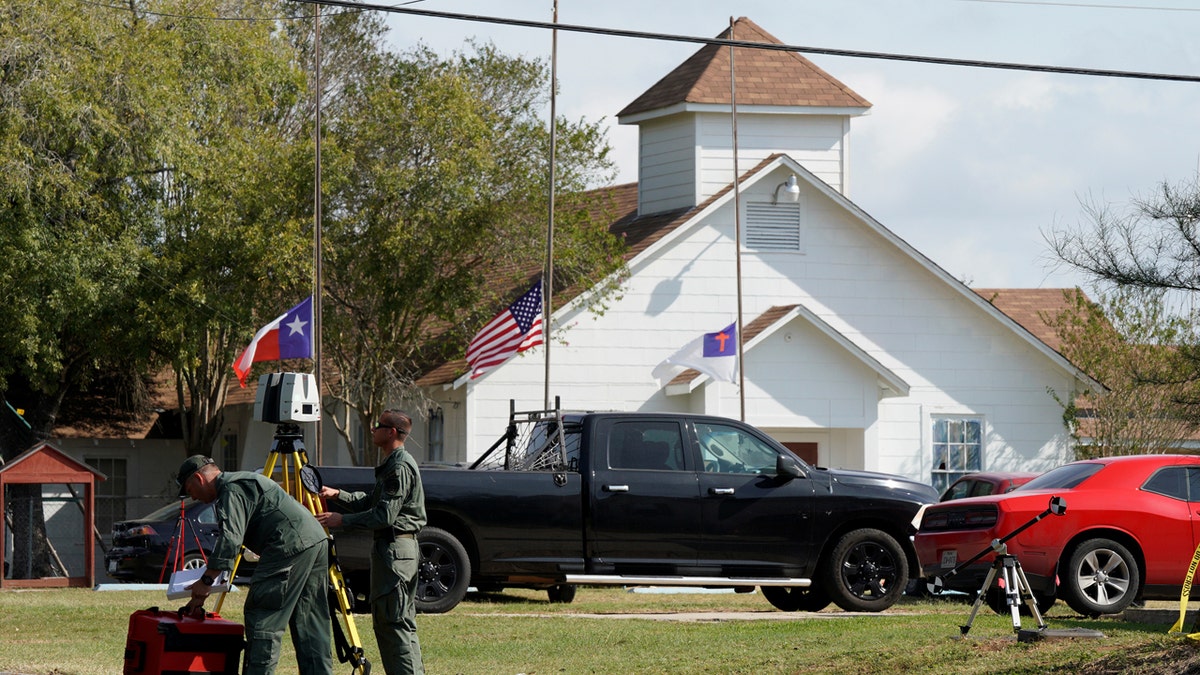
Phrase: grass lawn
(75, 631)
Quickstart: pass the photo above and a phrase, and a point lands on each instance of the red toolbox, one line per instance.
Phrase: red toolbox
(163, 643)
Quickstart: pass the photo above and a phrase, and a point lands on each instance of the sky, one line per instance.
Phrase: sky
(973, 167)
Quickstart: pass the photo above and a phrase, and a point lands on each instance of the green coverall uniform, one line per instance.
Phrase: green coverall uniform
(395, 512)
(291, 579)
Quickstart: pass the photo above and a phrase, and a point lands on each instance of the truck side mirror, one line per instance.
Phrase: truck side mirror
(788, 466)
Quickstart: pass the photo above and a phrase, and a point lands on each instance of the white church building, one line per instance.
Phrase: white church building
(859, 351)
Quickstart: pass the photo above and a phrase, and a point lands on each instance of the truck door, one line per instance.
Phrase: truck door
(645, 507)
(755, 522)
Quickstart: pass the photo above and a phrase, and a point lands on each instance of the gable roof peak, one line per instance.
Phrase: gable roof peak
(765, 77)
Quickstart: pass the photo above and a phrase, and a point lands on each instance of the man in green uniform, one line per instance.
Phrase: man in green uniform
(394, 511)
(292, 576)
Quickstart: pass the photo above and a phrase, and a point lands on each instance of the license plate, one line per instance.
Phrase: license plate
(112, 566)
(950, 558)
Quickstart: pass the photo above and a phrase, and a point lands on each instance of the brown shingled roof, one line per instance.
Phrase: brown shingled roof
(1030, 307)
(764, 77)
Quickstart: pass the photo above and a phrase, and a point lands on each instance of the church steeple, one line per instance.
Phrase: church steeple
(785, 104)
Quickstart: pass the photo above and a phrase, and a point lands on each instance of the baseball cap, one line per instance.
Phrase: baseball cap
(190, 466)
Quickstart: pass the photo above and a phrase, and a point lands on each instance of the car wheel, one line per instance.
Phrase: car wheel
(866, 571)
(562, 593)
(193, 561)
(796, 599)
(444, 572)
(1101, 577)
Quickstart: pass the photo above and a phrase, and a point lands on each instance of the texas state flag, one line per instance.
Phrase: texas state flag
(714, 354)
(289, 336)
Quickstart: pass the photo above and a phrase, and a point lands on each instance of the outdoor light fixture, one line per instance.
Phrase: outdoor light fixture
(791, 190)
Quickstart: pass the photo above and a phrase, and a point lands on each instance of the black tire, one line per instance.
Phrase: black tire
(796, 599)
(1101, 576)
(866, 571)
(444, 572)
(562, 593)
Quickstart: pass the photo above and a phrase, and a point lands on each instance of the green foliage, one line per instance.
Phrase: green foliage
(1129, 341)
(438, 212)
(157, 167)
(74, 172)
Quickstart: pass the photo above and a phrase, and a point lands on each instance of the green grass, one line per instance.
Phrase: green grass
(74, 631)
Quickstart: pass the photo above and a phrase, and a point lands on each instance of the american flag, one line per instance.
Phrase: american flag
(512, 331)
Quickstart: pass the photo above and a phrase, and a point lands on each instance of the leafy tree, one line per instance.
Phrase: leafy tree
(233, 239)
(438, 214)
(1150, 252)
(75, 128)
(1126, 340)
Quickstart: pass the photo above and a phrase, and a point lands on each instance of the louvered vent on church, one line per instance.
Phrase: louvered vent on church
(773, 227)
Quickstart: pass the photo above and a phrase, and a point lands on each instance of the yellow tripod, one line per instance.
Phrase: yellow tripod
(301, 481)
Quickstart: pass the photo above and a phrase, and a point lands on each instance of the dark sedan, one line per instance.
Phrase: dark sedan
(140, 546)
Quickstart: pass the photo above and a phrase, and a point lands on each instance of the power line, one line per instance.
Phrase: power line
(669, 37)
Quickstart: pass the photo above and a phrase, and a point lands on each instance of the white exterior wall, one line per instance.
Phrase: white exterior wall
(956, 356)
(667, 156)
(685, 159)
(815, 141)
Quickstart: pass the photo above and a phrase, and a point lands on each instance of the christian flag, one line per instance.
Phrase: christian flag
(289, 336)
(714, 354)
(510, 332)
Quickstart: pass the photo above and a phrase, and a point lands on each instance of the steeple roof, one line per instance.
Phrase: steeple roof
(764, 77)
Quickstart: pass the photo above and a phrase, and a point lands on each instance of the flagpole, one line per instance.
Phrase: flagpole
(737, 230)
(548, 278)
(316, 327)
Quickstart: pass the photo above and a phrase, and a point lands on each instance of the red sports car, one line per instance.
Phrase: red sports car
(1129, 531)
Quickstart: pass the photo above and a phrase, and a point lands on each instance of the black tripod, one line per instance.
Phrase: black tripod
(1007, 568)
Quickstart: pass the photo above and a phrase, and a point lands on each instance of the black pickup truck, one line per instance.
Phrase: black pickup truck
(662, 499)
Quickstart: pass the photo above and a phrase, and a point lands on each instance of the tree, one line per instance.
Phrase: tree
(1153, 246)
(75, 126)
(438, 214)
(154, 202)
(1126, 341)
(234, 232)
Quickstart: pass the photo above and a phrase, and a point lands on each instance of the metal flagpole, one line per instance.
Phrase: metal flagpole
(737, 229)
(316, 327)
(548, 277)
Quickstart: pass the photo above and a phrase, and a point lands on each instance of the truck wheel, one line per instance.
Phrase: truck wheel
(1101, 577)
(562, 593)
(444, 572)
(796, 599)
(866, 571)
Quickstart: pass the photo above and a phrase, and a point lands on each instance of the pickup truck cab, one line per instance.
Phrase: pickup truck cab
(663, 499)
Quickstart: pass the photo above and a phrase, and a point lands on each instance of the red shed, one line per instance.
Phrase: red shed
(45, 464)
